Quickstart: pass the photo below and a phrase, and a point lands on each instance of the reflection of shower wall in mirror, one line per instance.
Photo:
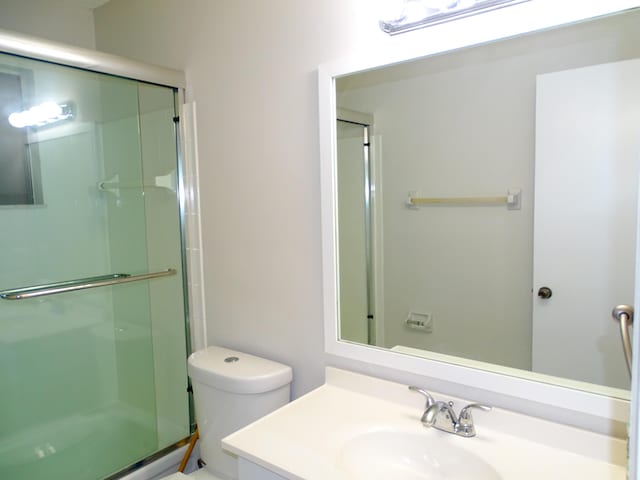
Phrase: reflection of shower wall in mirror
(462, 124)
(351, 231)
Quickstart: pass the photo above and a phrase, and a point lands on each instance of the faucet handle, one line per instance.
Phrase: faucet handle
(465, 420)
(430, 400)
(465, 413)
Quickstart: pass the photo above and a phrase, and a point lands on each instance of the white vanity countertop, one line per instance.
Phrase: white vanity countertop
(305, 439)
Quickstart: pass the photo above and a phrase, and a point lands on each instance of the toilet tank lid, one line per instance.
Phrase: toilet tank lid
(237, 372)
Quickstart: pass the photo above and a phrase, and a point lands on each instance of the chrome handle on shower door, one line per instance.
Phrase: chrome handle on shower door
(64, 286)
(623, 314)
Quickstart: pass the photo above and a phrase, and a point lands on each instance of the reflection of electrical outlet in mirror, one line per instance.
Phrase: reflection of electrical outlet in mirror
(419, 321)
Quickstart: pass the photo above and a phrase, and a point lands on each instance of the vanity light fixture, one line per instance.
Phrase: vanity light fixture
(407, 15)
(40, 115)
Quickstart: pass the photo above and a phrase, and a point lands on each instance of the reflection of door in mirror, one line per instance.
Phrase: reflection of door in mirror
(587, 159)
(354, 232)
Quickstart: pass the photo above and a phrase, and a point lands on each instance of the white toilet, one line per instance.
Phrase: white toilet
(230, 390)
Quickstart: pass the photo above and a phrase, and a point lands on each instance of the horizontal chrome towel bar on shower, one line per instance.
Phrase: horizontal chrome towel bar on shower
(511, 200)
(79, 284)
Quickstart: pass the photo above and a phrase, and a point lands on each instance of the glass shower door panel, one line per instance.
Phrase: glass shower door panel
(77, 370)
(162, 223)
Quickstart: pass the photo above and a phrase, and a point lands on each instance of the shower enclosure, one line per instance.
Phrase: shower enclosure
(93, 339)
(354, 193)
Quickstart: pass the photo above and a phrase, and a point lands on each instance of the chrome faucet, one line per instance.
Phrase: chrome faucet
(442, 416)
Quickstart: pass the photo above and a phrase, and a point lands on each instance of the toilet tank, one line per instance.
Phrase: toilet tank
(230, 390)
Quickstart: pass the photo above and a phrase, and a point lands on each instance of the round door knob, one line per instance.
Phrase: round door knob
(545, 292)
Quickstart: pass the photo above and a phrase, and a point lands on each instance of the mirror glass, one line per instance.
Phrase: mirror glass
(487, 202)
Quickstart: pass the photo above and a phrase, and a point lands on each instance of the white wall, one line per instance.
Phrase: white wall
(53, 19)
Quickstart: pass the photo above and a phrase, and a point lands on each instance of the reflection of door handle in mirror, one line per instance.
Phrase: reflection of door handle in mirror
(624, 315)
(545, 292)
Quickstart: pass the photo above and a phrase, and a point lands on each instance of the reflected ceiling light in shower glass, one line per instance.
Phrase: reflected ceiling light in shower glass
(406, 15)
(40, 115)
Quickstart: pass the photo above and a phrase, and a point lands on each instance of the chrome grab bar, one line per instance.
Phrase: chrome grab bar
(32, 291)
(624, 315)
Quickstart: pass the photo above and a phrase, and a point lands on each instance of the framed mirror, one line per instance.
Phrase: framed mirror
(480, 202)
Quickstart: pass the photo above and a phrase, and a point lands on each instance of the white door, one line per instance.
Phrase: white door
(586, 189)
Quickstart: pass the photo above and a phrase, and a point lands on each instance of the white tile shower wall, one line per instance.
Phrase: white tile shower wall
(193, 227)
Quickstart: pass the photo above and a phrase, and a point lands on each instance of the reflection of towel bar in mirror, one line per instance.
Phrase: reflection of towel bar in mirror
(79, 284)
(511, 200)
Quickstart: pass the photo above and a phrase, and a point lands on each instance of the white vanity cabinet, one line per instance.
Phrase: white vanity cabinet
(248, 470)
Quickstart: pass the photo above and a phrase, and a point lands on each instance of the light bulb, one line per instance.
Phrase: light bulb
(49, 110)
(17, 120)
(39, 115)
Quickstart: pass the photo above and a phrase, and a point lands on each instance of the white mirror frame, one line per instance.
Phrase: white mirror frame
(515, 20)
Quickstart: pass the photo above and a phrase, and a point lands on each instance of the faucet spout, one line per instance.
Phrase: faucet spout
(441, 415)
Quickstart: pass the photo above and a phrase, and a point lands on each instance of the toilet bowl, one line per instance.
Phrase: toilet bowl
(230, 390)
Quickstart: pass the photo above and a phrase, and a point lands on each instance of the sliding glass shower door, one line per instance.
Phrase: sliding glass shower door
(92, 347)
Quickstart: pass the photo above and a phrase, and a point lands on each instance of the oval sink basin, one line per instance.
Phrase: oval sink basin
(384, 455)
